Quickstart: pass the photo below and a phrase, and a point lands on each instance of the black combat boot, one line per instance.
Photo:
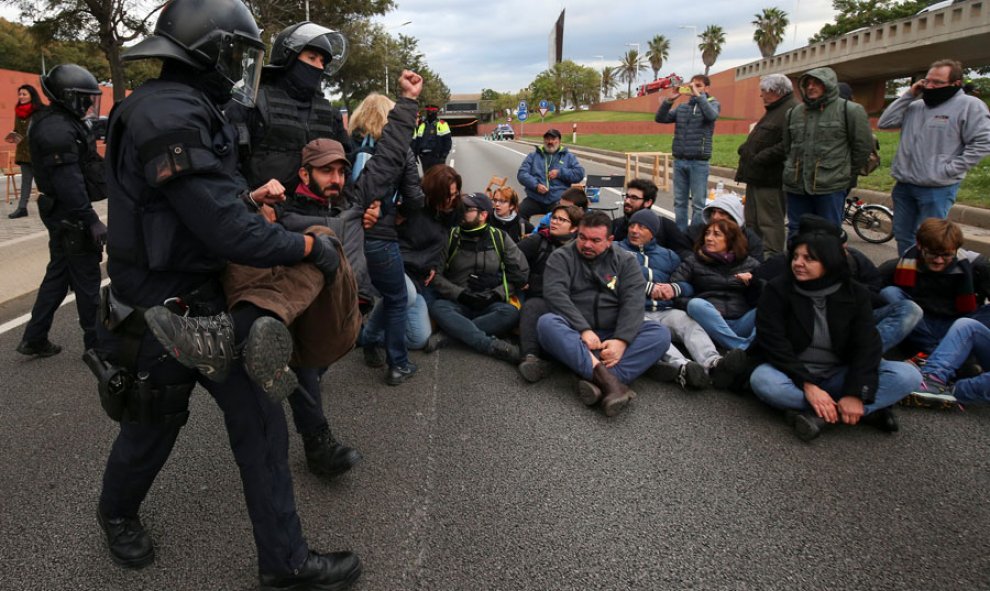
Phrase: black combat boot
(130, 545)
(328, 572)
(43, 348)
(327, 457)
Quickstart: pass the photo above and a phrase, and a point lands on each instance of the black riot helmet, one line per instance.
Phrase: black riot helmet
(210, 35)
(294, 38)
(74, 88)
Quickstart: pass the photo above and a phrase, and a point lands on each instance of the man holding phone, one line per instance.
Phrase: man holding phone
(694, 123)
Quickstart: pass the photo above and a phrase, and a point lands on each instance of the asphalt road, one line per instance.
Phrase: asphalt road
(473, 479)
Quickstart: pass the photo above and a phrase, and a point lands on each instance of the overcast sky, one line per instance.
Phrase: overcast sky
(503, 44)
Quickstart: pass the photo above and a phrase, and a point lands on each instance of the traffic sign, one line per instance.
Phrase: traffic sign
(523, 106)
(543, 111)
(522, 115)
(553, 108)
(544, 104)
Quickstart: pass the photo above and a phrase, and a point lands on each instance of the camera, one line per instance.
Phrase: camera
(684, 90)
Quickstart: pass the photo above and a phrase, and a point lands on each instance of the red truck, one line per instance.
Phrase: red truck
(659, 84)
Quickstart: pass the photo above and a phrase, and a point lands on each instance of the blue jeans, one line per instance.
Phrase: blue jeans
(418, 326)
(897, 380)
(896, 321)
(564, 344)
(829, 206)
(965, 337)
(690, 181)
(930, 330)
(731, 334)
(914, 204)
(389, 278)
(475, 328)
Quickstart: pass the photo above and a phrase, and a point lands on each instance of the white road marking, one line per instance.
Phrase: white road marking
(21, 320)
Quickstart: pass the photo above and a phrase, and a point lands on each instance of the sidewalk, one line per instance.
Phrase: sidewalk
(974, 221)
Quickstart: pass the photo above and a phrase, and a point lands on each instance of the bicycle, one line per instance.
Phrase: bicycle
(873, 223)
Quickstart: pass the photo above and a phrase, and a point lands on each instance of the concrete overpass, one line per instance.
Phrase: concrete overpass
(868, 57)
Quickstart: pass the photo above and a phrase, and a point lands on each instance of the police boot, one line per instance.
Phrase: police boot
(333, 572)
(203, 343)
(325, 456)
(129, 543)
(615, 394)
(266, 358)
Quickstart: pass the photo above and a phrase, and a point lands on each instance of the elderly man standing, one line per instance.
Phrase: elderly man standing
(827, 139)
(761, 165)
(943, 135)
(596, 327)
(546, 173)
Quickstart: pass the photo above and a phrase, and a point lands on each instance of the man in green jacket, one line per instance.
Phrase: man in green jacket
(826, 139)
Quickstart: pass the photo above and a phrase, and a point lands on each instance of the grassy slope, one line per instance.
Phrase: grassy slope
(975, 189)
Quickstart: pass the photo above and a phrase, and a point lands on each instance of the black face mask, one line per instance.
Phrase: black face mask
(302, 80)
(431, 115)
(934, 97)
(217, 88)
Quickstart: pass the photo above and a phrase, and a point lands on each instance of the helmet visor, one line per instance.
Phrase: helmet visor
(83, 102)
(240, 62)
(330, 43)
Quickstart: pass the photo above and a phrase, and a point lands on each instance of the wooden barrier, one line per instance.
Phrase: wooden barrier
(661, 171)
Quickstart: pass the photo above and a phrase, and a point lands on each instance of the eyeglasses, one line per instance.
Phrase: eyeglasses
(632, 197)
(497, 201)
(560, 219)
(945, 256)
(935, 83)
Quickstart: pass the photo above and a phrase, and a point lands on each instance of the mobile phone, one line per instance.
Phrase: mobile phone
(684, 90)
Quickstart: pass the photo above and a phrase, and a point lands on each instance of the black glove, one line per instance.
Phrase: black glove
(477, 301)
(324, 256)
(98, 232)
(484, 282)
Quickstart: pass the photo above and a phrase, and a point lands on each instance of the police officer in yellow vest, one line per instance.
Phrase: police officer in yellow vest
(431, 141)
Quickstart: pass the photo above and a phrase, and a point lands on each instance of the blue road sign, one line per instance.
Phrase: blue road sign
(523, 106)
(522, 115)
(544, 104)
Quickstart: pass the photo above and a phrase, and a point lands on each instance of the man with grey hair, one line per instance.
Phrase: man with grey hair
(761, 165)
(943, 135)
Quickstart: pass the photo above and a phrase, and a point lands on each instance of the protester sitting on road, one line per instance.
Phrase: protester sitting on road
(966, 339)
(641, 194)
(479, 284)
(537, 248)
(723, 291)
(595, 325)
(505, 200)
(657, 264)
(728, 207)
(546, 173)
(947, 281)
(894, 320)
(574, 196)
(399, 194)
(821, 349)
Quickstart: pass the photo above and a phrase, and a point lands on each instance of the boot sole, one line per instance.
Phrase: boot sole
(588, 393)
(916, 401)
(805, 429)
(695, 377)
(338, 585)
(266, 358)
(614, 407)
(533, 371)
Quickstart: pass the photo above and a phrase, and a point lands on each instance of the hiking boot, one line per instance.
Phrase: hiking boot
(327, 457)
(266, 358)
(663, 372)
(533, 368)
(692, 375)
(330, 572)
(931, 394)
(437, 341)
(20, 212)
(615, 394)
(397, 375)
(374, 356)
(43, 348)
(203, 343)
(588, 393)
(129, 543)
(882, 419)
(727, 368)
(505, 351)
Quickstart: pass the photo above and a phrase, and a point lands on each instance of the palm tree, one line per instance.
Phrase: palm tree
(659, 50)
(610, 79)
(711, 44)
(629, 68)
(770, 28)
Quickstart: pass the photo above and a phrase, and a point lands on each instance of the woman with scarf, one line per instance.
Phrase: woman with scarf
(815, 330)
(722, 289)
(28, 103)
(507, 218)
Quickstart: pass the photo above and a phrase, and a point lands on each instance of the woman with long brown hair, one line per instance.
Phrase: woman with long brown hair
(28, 103)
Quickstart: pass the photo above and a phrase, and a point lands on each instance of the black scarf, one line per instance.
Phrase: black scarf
(302, 80)
(934, 97)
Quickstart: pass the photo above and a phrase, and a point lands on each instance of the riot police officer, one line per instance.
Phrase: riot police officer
(290, 111)
(431, 141)
(69, 173)
(178, 211)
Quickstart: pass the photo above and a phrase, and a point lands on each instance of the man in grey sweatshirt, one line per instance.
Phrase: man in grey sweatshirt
(942, 136)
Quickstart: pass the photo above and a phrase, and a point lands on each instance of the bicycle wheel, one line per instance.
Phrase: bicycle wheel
(874, 224)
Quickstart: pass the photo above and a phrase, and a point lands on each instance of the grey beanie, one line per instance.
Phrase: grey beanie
(647, 219)
(727, 203)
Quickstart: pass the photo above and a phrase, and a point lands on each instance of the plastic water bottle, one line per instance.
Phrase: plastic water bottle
(719, 188)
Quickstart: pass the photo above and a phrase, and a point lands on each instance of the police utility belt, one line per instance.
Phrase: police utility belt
(126, 394)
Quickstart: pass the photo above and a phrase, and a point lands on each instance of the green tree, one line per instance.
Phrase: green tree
(630, 65)
(712, 40)
(855, 14)
(610, 80)
(567, 81)
(771, 24)
(658, 52)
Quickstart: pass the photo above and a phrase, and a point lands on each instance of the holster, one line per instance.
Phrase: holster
(75, 238)
(158, 406)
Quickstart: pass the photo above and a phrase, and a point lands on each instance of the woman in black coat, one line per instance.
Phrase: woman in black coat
(815, 330)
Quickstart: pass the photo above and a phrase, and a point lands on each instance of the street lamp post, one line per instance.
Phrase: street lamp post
(694, 48)
(387, 37)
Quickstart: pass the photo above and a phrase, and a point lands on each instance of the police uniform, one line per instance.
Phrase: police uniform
(432, 142)
(176, 217)
(64, 155)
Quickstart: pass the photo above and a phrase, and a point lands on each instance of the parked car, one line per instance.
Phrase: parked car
(503, 131)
